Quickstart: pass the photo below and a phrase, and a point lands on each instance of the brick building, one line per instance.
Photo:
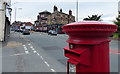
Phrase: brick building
(59, 17)
(17, 25)
(47, 21)
(41, 22)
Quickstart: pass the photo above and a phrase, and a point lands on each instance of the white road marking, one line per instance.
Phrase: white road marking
(38, 54)
(53, 70)
(41, 57)
(29, 44)
(26, 52)
(35, 51)
(46, 63)
(17, 54)
(31, 47)
(25, 48)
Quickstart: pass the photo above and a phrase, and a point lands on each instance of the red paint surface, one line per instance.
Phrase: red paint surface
(90, 41)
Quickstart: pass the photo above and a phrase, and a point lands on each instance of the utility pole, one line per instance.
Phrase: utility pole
(15, 13)
(77, 11)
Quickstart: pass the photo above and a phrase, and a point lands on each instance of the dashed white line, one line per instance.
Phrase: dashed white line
(38, 54)
(53, 70)
(25, 48)
(35, 51)
(17, 54)
(46, 63)
(41, 57)
(29, 44)
(31, 47)
(26, 52)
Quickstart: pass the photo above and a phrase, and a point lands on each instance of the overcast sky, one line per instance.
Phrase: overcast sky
(27, 10)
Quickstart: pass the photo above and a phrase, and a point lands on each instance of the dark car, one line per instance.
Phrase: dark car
(52, 32)
(26, 32)
(21, 30)
(17, 30)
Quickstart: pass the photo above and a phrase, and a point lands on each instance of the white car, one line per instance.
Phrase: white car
(52, 32)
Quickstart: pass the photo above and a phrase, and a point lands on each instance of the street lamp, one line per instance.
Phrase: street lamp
(9, 10)
(16, 12)
(77, 11)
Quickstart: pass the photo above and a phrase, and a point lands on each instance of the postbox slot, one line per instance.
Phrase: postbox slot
(71, 46)
(81, 55)
(72, 55)
(78, 51)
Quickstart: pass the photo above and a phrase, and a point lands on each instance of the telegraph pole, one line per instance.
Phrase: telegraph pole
(77, 11)
(15, 13)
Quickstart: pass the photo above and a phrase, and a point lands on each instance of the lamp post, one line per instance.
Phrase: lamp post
(77, 11)
(11, 8)
(16, 12)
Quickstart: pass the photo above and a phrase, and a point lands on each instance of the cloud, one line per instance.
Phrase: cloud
(31, 9)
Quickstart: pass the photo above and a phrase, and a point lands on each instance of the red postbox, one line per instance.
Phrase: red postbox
(88, 46)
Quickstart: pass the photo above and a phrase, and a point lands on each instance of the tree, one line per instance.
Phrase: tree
(117, 22)
(93, 18)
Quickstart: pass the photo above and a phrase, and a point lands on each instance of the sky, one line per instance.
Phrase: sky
(27, 10)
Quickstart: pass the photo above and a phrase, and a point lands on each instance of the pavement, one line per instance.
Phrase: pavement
(40, 52)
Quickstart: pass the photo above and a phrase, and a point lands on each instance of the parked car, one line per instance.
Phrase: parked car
(11, 29)
(26, 32)
(52, 32)
(17, 30)
(49, 32)
(21, 30)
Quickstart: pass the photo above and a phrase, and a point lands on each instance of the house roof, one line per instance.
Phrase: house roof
(45, 12)
(61, 13)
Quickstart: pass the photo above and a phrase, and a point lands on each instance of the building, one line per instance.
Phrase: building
(59, 18)
(18, 25)
(54, 20)
(41, 22)
(5, 19)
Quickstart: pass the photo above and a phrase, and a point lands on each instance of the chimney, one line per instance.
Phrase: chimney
(55, 8)
(70, 12)
(60, 10)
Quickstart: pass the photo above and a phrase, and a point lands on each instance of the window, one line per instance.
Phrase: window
(42, 15)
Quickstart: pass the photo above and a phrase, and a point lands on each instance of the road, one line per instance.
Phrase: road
(40, 52)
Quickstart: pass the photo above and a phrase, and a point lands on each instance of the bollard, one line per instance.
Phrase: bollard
(88, 46)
